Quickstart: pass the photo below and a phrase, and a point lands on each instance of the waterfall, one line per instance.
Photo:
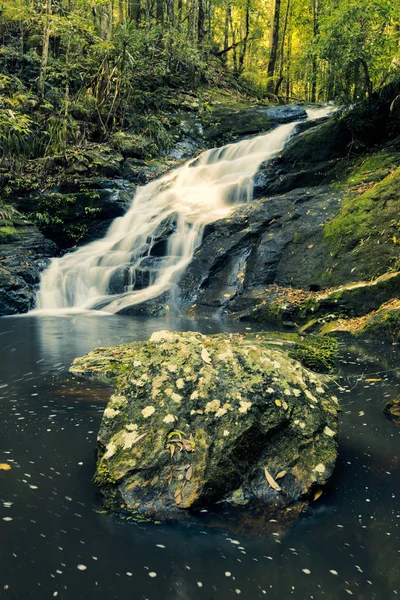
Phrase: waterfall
(145, 252)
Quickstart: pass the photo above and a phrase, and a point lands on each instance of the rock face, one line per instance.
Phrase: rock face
(257, 246)
(381, 325)
(199, 420)
(223, 125)
(22, 258)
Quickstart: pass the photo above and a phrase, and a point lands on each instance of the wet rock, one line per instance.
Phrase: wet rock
(185, 149)
(199, 420)
(381, 325)
(353, 300)
(224, 125)
(270, 241)
(308, 160)
(21, 262)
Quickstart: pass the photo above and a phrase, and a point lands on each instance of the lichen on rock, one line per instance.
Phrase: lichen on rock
(245, 408)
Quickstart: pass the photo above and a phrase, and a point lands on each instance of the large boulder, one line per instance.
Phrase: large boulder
(199, 420)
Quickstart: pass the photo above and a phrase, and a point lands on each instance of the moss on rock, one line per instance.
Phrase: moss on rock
(197, 420)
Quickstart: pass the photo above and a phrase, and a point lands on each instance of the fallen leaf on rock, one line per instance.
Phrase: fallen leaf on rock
(4, 467)
(189, 473)
(271, 480)
(317, 494)
(281, 474)
(205, 356)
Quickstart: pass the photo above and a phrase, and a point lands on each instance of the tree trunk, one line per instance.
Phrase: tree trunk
(368, 81)
(121, 11)
(226, 33)
(45, 50)
(180, 9)
(201, 21)
(288, 68)
(282, 50)
(104, 18)
(243, 49)
(314, 73)
(274, 45)
(160, 11)
(134, 10)
(234, 44)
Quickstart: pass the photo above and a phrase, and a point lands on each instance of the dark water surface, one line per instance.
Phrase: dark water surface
(56, 542)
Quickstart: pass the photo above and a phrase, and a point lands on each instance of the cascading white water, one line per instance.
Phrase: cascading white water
(201, 191)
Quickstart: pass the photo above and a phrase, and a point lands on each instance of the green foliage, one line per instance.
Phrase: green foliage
(8, 213)
(359, 44)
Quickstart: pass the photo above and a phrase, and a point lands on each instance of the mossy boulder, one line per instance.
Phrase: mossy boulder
(198, 420)
(98, 159)
(132, 145)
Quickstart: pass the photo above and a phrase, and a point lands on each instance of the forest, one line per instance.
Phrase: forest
(78, 70)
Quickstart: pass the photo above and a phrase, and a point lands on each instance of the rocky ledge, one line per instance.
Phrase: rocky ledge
(24, 253)
(198, 420)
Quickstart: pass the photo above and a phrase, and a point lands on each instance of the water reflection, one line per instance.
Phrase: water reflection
(57, 542)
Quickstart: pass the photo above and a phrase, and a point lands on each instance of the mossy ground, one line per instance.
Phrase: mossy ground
(365, 236)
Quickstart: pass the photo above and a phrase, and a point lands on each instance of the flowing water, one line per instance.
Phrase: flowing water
(56, 542)
(182, 202)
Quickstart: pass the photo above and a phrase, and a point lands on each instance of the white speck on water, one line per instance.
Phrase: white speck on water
(81, 567)
(199, 584)
(306, 571)
(333, 572)
(160, 545)
(238, 591)
(228, 573)
(152, 574)
(129, 574)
